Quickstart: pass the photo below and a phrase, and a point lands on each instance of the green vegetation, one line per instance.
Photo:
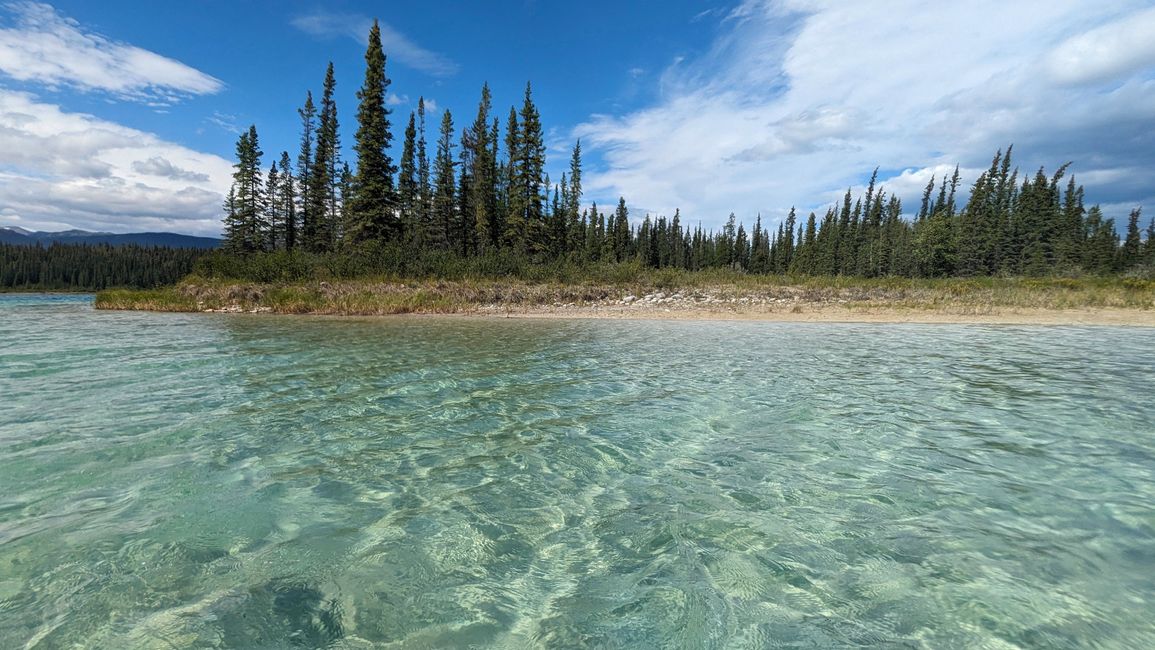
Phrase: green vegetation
(307, 284)
(476, 201)
(483, 225)
(92, 267)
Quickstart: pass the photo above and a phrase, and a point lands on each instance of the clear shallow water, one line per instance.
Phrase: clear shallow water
(273, 482)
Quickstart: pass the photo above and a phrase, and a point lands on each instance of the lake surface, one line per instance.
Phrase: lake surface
(232, 481)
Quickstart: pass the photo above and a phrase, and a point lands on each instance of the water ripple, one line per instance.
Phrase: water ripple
(248, 482)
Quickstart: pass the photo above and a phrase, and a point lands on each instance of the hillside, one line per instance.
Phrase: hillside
(20, 236)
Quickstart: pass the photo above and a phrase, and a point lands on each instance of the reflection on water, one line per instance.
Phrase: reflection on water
(257, 482)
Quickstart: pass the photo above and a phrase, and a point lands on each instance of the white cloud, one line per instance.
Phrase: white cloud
(1104, 53)
(397, 46)
(798, 99)
(41, 46)
(75, 170)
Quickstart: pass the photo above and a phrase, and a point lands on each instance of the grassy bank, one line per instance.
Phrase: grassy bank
(715, 291)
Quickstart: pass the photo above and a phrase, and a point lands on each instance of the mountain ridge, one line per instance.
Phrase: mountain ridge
(23, 237)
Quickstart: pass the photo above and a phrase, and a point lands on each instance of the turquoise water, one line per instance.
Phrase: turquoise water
(232, 481)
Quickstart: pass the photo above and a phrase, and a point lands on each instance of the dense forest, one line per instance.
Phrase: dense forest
(92, 267)
(486, 193)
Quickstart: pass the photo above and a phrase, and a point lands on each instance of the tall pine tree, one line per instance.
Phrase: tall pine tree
(444, 186)
(371, 208)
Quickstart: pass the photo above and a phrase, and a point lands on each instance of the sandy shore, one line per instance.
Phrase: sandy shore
(820, 313)
(1005, 303)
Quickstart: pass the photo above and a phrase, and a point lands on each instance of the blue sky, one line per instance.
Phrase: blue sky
(122, 116)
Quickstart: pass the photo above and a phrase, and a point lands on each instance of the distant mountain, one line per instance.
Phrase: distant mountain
(13, 235)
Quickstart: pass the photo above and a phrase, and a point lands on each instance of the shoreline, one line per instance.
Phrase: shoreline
(876, 315)
(996, 303)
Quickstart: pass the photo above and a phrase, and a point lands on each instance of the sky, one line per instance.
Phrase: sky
(123, 116)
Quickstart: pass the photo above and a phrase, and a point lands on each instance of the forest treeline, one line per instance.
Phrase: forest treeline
(93, 267)
(485, 193)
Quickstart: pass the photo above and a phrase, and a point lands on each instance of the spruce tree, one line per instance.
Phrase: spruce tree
(621, 234)
(245, 227)
(574, 196)
(1069, 231)
(308, 115)
(1149, 246)
(234, 228)
(1130, 253)
(464, 226)
(924, 211)
(424, 212)
(515, 233)
(444, 186)
(287, 195)
(531, 167)
(742, 249)
(407, 181)
(1102, 247)
(323, 178)
(272, 237)
(371, 208)
(482, 156)
(788, 247)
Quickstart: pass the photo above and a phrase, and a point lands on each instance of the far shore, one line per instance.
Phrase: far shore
(1002, 301)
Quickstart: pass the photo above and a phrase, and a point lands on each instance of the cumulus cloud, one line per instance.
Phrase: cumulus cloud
(799, 99)
(41, 46)
(397, 46)
(62, 169)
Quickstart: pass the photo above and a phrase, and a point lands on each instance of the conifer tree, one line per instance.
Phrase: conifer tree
(593, 244)
(759, 257)
(1102, 243)
(424, 212)
(245, 221)
(287, 195)
(1130, 253)
(272, 237)
(621, 231)
(343, 192)
(323, 178)
(371, 208)
(482, 158)
(444, 186)
(407, 181)
(1069, 231)
(727, 240)
(788, 242)
(530, 168)
(954, 181)
(1149, 246)
(557, 221)
(308, 115)
(574, 199)
(924, 211)
(464, 224)
(234, 227)
(742, 249)
(515, 225)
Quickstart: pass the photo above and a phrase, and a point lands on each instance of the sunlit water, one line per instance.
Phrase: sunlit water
(225, 481)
